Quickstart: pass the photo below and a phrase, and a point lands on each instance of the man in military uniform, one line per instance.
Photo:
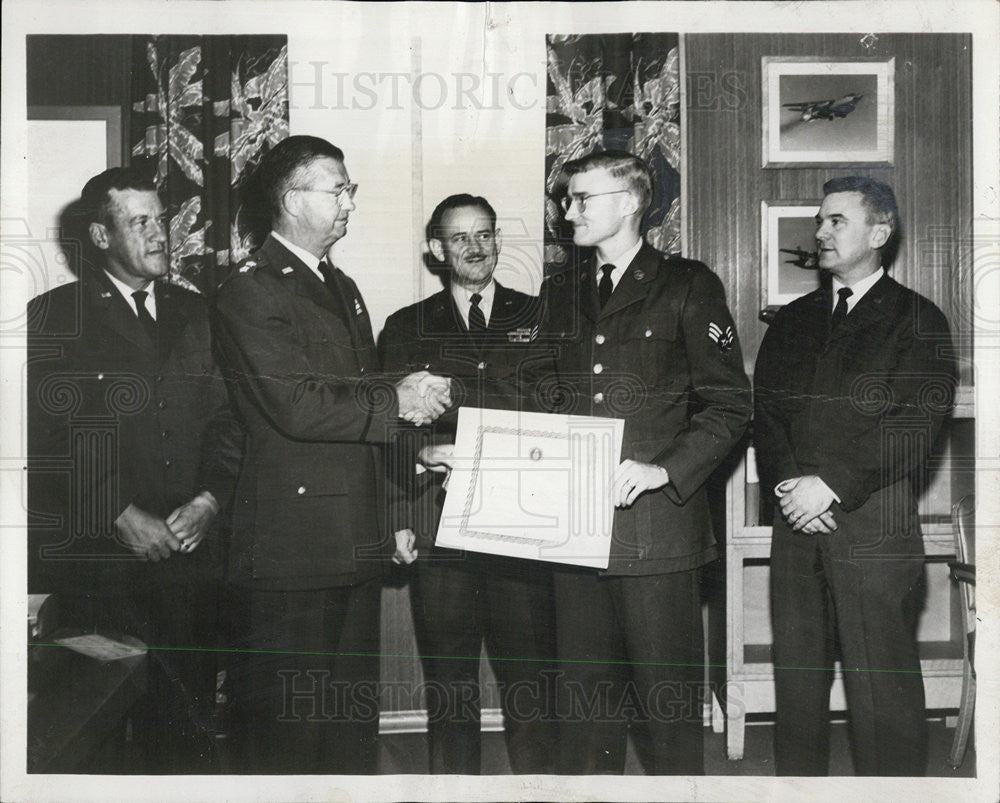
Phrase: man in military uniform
(132, 451)
(648, 339)
(477, 333)
(307, 556)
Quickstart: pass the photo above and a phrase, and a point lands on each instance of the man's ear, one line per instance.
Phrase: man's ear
(880, 234)
(99, 235)
(291, 202)
(630, 206)
(498, 238)
(436, 248)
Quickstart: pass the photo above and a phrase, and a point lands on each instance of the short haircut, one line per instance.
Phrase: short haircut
(95, 199)
(620, 164)
(878, 199)
(456, 202)
(281, 165)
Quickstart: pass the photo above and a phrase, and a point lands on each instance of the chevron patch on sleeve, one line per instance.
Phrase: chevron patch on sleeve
(722, 338)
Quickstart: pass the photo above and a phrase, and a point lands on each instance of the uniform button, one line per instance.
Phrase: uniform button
(164, 434)
(167, 462)
(302, 490)
(159, 378)
(161, 404)
(599, 340)
(598, 368)
(649, 333)
(362, 369)
(100, 376)
(481, 366)
(598, 397)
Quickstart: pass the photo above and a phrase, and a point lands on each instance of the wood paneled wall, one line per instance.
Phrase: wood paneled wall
(931, 171)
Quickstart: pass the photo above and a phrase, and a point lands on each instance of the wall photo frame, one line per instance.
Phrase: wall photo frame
(827, 112)
(789, 261)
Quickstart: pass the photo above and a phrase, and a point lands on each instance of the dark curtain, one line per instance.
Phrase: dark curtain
(614, 91)
(204, 110)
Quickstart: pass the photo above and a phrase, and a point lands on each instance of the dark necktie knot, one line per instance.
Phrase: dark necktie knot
(477, 320)
(326, 271)
(605, 286)
(145, 318)
(840, 311)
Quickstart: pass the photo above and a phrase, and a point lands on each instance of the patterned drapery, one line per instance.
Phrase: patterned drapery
(205, 109)
(617, 91)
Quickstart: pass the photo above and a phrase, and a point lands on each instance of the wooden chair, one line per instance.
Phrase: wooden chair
(963, 571)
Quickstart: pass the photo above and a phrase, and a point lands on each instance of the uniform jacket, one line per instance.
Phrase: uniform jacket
(500, 369)
(303, 369)
(664, 356)
(860, 408)
(114, 419)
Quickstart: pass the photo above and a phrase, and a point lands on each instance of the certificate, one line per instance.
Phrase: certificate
(532, 485)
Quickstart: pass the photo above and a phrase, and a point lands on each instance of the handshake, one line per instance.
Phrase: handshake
(423, 396)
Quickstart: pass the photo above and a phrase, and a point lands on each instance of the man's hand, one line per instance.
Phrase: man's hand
(823, 523)
(423, 397)
(439, 458)
(190, 522)
(405, 553)
(145, 534)
(633, 478)
(804, 499)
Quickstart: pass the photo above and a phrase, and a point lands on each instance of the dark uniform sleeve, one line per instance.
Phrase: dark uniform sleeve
(720, 392)
(262, 351)
(775, 456)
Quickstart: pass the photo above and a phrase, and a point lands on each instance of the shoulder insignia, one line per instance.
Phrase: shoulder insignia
(358, 309)
(640, 274)
(723, 339)
(248, 266)
(286, 270)
(105, 294)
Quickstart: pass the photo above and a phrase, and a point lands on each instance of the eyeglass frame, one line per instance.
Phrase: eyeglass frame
(568, 201)
(351, 188)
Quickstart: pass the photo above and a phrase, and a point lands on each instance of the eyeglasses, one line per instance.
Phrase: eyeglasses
(348, 189)
(580, 201)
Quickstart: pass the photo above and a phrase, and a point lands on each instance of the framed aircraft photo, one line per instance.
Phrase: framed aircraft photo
(823, 112)
(789, 261)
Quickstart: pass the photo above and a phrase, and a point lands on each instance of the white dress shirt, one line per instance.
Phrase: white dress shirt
(858, 289)
(127, 291)
(463, 300)
(621, 263)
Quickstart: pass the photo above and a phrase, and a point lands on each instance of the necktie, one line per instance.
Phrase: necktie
(326, 270)
(605, 286)
(143, 312)
(840, 311)
(477, 321)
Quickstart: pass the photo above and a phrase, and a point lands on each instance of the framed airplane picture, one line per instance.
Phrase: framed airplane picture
(825, 112)
(789, 262)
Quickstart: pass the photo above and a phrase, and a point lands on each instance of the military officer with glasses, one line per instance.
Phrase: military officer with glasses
(308, 550)
(647, 338)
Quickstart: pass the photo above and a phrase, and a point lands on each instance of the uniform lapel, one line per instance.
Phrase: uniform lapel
(870, 310)
(634, 284)
(307, 284)
(170, 317)
(110, 309)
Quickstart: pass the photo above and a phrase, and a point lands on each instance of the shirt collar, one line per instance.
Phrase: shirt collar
(621, 263)
(858, 289)
(310, 260)
(463, 300)
(127, 291)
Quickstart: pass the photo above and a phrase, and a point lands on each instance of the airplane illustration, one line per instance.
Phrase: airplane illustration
(803, 259)
(825, 109)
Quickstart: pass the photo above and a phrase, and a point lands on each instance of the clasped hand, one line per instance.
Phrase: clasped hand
(423, 396)
(154, 538)
(805, 504)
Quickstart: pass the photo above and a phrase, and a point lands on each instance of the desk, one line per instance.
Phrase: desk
(75, 703)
